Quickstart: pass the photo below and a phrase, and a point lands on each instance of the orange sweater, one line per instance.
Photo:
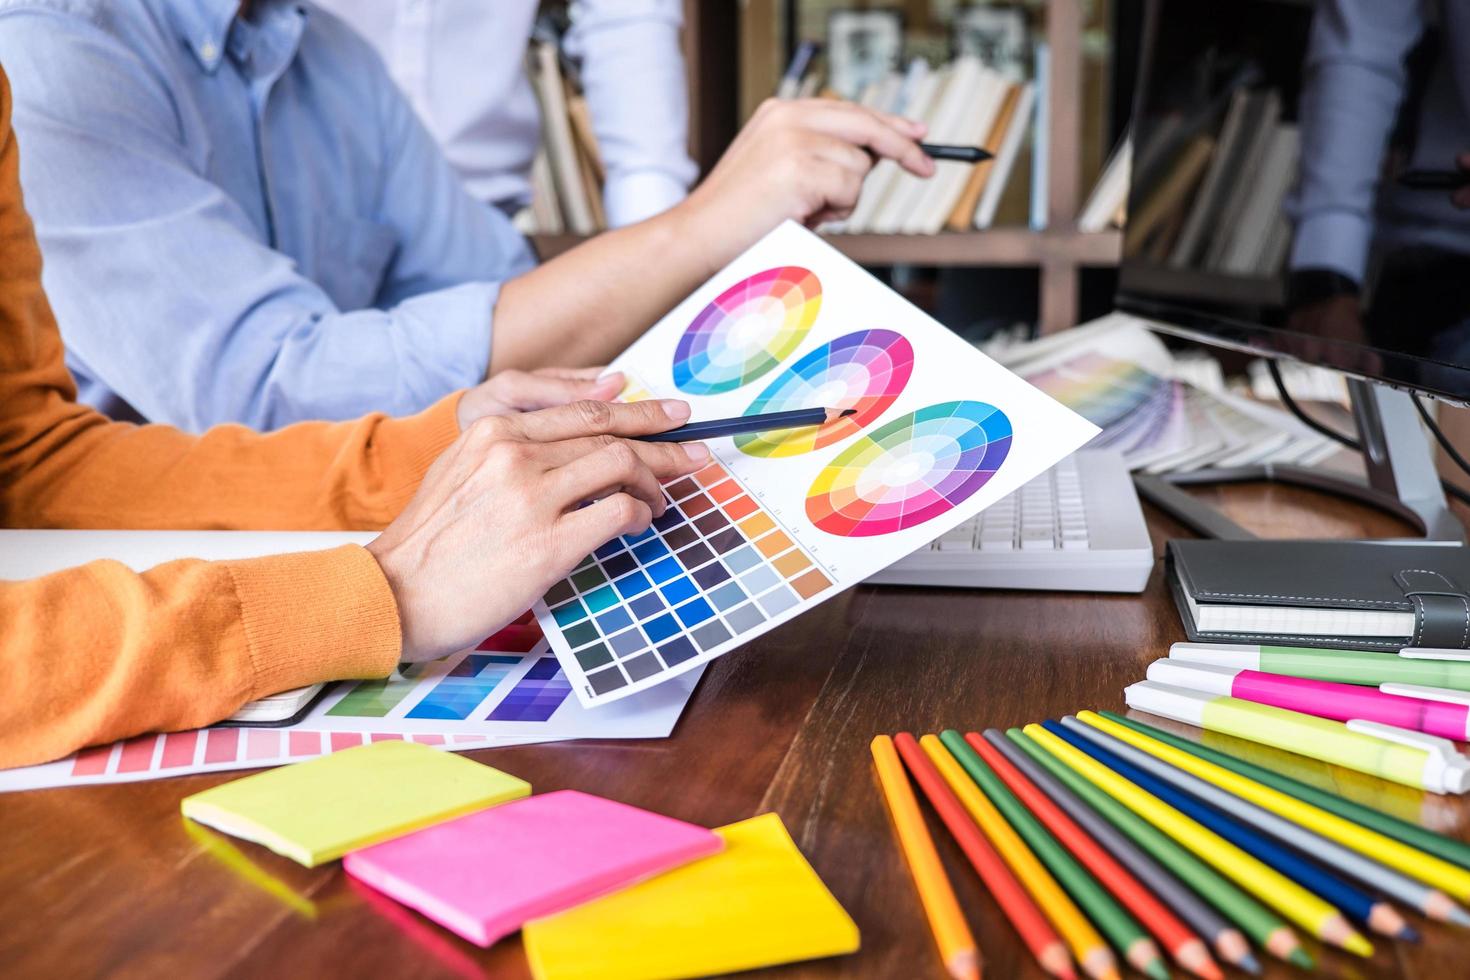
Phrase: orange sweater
(100, 652)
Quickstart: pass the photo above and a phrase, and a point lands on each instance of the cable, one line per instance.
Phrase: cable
(1439, 436)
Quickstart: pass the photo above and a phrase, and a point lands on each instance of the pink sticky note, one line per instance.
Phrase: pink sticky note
(485, 874)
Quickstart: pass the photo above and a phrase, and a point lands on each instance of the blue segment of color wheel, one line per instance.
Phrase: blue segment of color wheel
(747, 330)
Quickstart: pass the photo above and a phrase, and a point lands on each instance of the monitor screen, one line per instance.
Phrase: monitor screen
(1301, 183)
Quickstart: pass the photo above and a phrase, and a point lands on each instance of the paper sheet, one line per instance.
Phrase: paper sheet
(783, 521)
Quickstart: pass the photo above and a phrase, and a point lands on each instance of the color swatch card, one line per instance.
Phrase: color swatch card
(781, 521)
(316, 811)
(486, 874)
(757, 903)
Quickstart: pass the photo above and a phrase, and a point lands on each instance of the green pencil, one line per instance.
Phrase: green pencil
(1401, 830)
(1258, 922)
(1114, 921)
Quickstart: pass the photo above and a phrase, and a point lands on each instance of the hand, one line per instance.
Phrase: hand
(804, 160)
(499, 517)
(1461, 197)
(525, 391)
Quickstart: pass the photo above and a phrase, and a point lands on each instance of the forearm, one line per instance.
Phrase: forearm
(585, 306)
(100, 652)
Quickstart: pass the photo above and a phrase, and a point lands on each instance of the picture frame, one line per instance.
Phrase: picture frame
(863, 46)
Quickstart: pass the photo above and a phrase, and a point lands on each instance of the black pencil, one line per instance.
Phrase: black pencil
(715, 428)
(964, 154)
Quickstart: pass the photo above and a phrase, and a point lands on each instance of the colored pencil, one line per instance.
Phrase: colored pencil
(1186, 947)
(1401, 830)
(1135, 748)
(947, 151)
(1427, 868)
(1087, 946)
(797, 418)
(1330, 888)
(1111, 918)
(1423, 667)
(1226, 940)
(1038, 935)
(1280, 941)
(956, 944)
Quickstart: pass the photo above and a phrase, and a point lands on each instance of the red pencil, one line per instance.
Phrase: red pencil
(1035, 931)
(1187, 948)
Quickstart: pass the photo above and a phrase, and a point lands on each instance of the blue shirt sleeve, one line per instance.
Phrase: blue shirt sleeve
(1354, 81)
(164, 288)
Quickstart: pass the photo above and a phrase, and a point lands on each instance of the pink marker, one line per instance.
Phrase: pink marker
(1422, 709)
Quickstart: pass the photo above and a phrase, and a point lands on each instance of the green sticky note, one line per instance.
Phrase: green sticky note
(316, 811)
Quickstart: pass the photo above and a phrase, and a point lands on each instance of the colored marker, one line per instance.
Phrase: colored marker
(1239, 867)
(1227, 941)
(1411, 758)
(1428, 668)
(1233, 819)
(956, 944)
(1432, 710)
(1172, 934)
(1402, 830)
(947, 151)
(797, 418)
(1036, 933)
(1087, 946)
(1425, 867)
(1114, 921)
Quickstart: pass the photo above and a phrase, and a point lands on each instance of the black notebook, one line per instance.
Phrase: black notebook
(1363, 595)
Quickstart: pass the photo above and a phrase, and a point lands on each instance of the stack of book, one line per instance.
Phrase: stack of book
(567, 177)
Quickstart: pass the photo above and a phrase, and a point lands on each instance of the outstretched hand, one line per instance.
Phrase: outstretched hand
(514, 504)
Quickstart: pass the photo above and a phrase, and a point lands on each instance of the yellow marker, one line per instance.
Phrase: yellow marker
(1298, 904)
(1381, 848)
(1086, 944)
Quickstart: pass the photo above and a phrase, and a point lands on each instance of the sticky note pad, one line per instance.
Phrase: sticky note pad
(756, 903)
(485, 874)
(315, 811)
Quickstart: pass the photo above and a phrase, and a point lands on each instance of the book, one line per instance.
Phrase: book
(1373, 595)
(880, 181)
(956, 88)
(1259, 127)
(975, 116)
(1110, 195)
(1022, 124)
(1205, 207)
(757, 903)
(1039, 215)
(314, 812)
(1171, 196)
(484, 875)
(1261, 212)
(962, 215)
(561, 150)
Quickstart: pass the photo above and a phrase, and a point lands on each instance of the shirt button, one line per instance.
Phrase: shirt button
(208, 50)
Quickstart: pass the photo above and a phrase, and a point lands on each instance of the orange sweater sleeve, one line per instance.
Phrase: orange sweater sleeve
(100, 652)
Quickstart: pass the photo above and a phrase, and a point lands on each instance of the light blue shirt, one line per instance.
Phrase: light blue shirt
(244, 221)
(1354, 82)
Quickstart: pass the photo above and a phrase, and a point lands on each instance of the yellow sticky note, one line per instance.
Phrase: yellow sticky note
(317, 811)
(756, 903)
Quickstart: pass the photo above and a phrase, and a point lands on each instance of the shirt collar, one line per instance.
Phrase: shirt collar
(204, 26)
(211, 29)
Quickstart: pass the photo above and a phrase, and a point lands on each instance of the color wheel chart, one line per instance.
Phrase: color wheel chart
(747, 330)
(863, 371)
(910, 470)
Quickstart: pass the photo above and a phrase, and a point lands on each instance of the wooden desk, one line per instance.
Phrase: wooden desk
(109, 880)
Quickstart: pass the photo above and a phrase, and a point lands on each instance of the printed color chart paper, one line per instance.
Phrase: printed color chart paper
(779, 522)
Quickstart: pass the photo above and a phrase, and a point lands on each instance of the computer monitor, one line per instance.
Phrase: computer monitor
(1300, 191)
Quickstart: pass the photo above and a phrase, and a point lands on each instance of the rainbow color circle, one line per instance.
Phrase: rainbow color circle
(747, 330)
(910, 470)
(863, 371)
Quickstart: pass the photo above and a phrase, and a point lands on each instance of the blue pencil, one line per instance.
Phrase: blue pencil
(715, 428)
(1351, 900)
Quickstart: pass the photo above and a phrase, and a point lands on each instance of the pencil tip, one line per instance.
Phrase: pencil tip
(846, 412)
(1249, 963)
(1409, 934)
(1156, 969)
(1301, 958)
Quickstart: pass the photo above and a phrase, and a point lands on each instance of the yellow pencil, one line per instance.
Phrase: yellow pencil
(956, 944)
(1305, 908)
(1085, 942)
(1403, 857)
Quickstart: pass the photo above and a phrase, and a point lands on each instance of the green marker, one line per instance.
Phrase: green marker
(1259, 923)
(1424, 667)
(1114, 921)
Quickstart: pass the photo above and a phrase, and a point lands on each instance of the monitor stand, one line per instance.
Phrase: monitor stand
(1402, 481)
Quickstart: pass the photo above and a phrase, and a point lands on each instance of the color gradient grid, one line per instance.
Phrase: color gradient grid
(537, 695)
(747, 330)
(863, 371)
(715, 565)
(374, 699)
(910, 470)
(465, 687)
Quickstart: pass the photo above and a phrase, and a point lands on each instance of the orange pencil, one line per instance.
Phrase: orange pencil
(1038, 935)
(952, 934)
(1187, 948)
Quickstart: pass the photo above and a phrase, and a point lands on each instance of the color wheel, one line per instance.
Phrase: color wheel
(748, 329)
(910, 470)
(864, 371)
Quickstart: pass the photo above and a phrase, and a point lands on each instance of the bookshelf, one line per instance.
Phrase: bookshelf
(736, 50)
